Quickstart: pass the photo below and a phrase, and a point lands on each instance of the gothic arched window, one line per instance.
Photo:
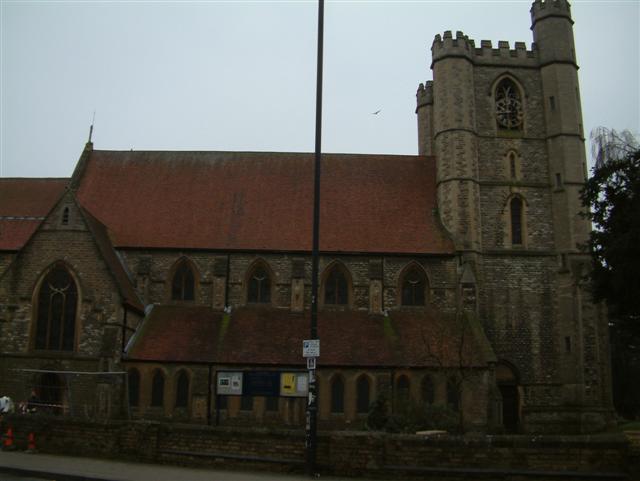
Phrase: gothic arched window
(428, 390)
(182, 390)
(453, 394)
(259, 285)
(157, 388)
(509, 112)
(402, 388)
(414, 284)
(363, 394)
(337, 395)
(515, 207)
(56, 311)
(134, 387)
(336, 287)
(183, 283)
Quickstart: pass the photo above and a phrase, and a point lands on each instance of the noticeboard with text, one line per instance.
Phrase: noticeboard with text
(294, 384)
(229, 383)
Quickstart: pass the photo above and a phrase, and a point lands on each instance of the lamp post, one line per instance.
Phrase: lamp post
(312, 403)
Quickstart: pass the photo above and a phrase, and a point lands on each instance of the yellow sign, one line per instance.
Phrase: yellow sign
(288, 383)
(294, 384)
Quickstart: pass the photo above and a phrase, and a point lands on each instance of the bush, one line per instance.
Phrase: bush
(410, 417)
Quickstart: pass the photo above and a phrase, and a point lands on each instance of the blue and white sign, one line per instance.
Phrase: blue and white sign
(311, 348)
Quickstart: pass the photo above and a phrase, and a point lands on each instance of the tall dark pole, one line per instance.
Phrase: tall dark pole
(312, 404)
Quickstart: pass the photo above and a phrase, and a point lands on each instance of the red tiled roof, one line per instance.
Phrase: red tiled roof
(176, 333)
(263, 201)
(266, 336)
(23, 205)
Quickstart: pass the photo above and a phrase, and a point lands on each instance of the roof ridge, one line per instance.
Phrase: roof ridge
(258, 153)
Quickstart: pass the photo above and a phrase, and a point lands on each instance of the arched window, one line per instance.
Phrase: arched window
(56, 311)
(134, 387)
(337, 395)
(428, 390)
(508, 105)
(157, 388)
(414, 285)
(259, 289)
(507, 380)
(363, 394)
(336, 287)
(183, 283)
(515, 207)
(182, 390)
(402, 388)
(453, 394)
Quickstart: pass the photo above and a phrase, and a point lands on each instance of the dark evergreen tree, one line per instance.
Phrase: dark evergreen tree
(613, 196)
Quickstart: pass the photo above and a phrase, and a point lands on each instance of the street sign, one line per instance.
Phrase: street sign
(311, 363)
(311, 348)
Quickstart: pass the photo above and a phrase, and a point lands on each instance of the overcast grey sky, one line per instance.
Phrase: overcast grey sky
(241, 75)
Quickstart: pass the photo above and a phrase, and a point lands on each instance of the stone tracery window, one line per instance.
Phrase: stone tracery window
(414, 284)
(183, 283)
(336, 287)
(508, 105)
(259, 289)
(56, 311)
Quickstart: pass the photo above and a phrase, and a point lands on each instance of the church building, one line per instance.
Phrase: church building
(149, 282)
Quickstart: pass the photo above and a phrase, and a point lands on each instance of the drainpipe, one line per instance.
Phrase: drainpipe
(209, 398)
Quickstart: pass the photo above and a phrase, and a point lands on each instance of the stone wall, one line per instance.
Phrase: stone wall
(153, 270)
(340, 453)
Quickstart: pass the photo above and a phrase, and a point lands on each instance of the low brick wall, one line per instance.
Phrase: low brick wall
(342, 453)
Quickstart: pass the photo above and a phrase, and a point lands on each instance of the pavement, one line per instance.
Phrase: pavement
(21, 465)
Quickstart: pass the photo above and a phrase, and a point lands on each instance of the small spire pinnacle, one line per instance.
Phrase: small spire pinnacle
(91, 128)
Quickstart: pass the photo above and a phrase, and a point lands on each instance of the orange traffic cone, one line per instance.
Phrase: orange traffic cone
(31, 443)
(7, 444)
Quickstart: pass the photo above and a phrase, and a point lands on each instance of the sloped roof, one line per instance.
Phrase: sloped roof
(264, 201)
(113, 262)
(24, 203)
(268, 336)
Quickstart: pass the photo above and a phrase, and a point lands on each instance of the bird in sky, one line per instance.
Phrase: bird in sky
(376, 112)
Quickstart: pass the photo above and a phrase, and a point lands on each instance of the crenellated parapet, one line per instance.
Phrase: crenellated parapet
(424, 95)
(447, 46)
(462, 46)
(550, 8)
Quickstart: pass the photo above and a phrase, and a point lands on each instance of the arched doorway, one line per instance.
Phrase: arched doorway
(507, 381)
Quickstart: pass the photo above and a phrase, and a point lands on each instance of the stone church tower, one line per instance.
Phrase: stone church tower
(505, 126)
(461, 286)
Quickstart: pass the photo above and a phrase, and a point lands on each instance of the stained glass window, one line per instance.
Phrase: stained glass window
(56, 311)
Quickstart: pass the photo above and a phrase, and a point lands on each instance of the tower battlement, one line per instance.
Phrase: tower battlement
(549, 8)
(424, 95)
(462, 46)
